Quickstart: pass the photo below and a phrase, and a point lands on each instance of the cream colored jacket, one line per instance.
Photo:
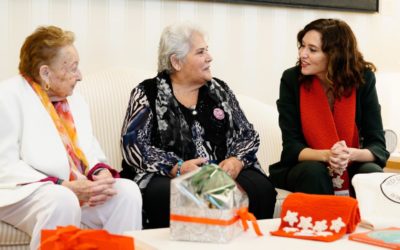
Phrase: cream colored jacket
(30, 145)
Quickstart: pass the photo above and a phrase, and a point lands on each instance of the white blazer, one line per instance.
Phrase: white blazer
(30, 146)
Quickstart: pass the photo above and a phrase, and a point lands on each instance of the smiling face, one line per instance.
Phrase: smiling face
(313, 60)
(62, 74)
(195, 67)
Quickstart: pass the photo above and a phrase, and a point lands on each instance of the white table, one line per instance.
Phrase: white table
(159, 239)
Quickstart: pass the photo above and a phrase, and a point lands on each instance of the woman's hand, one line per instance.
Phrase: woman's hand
(188, 166)
(104, 173)
(232, 166)
(108, 181)
(339, 156)
(93, 192)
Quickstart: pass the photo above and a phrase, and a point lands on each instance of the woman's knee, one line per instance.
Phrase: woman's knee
(310, 177)
(128, 190)
(156, 202)
(369, 167)
(364, 168)
(257, 181)
(159, 188)
(261, 192)
(310, 170)
(61, 200)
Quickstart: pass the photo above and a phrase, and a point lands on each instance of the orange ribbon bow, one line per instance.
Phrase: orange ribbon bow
(245, 216)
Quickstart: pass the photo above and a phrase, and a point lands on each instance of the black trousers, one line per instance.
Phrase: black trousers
(156, 197)
(312, 176)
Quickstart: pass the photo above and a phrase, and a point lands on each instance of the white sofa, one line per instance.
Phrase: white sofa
(107, 94)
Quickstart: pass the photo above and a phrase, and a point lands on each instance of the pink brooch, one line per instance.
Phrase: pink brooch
(219, 113)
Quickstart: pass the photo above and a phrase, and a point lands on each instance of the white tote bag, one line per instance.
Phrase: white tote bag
(378, 196)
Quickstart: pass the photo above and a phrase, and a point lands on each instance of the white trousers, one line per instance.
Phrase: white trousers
(55, 205)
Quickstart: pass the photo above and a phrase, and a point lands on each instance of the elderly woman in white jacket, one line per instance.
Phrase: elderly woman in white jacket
(52, 170)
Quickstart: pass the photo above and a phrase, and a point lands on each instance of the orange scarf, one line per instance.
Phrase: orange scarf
(62, 118)
(322, 128)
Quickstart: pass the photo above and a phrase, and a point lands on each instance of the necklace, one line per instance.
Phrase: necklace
(193, 108)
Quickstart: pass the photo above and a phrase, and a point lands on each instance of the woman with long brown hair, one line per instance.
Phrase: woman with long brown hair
(329, 114)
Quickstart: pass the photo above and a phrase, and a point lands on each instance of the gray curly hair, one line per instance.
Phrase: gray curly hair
(175, 39)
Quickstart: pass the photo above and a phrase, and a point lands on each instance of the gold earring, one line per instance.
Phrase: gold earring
(46, 86)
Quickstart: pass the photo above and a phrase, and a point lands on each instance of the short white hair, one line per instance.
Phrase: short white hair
(175, 39)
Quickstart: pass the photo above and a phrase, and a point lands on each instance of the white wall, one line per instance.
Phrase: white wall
(251, 44)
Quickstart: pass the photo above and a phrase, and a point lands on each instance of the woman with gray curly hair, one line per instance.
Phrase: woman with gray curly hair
(184, 118)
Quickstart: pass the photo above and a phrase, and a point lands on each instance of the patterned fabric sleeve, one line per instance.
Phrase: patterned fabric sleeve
(245, 140)
(136, 138)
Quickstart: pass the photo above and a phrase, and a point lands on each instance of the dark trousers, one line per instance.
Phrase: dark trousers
(156, 197)
(312, 176)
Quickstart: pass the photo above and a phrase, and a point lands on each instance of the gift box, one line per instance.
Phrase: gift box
(208, 206)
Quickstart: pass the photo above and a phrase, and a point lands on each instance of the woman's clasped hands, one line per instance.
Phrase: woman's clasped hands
(339, 157)
(95, 192)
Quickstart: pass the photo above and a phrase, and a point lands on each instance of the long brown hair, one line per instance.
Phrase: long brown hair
(346, 64)
(41, 47)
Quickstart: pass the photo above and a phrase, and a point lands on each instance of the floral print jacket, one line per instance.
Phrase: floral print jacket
(158, 131)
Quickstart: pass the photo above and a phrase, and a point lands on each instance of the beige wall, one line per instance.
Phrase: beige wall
(251, 44)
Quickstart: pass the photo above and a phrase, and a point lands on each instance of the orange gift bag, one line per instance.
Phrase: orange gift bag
(318, 217)
(73, 238)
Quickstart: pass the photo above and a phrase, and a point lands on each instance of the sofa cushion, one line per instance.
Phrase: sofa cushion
(12, 238)
(282, 193)
(9, 235)
(107, 94)
(264, 117)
